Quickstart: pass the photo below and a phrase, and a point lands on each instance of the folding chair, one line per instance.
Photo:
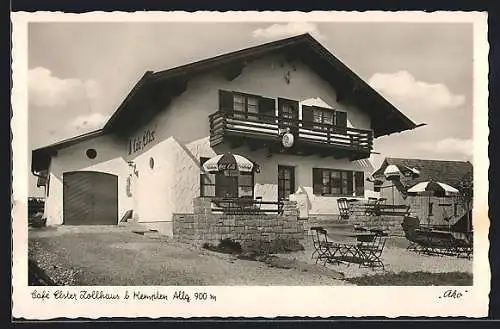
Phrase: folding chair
(320, 243)
(325, 250)
(371, 252)
(344, 211)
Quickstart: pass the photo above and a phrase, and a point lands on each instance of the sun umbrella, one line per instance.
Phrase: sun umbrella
(394, 171)
(229, 161)
(431, 187)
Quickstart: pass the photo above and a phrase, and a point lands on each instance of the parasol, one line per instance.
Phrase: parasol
(430, 188)
(229, 161)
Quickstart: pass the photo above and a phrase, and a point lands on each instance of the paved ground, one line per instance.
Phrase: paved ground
(110, 255)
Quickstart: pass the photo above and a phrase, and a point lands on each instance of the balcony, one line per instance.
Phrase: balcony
(259, 130)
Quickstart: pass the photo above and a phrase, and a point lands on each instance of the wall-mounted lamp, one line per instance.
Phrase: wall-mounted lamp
(132, 165)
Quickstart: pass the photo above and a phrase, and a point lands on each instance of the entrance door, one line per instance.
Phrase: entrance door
(288, 113)
(286, 182)
(90, 198)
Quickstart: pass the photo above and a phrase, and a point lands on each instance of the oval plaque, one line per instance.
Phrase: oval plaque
(287, 140)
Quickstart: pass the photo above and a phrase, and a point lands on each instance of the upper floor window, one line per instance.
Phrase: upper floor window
(334, 182)
(323, 116)
(247, 106)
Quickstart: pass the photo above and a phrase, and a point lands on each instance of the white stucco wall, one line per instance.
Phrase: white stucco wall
(110, 152)
(181, 137)
(188, 183)
(186, 119)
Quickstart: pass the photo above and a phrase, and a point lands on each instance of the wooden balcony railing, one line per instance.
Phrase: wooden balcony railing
(263, 126)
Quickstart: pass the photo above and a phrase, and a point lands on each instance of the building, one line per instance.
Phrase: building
(147, 157)
(437, 210)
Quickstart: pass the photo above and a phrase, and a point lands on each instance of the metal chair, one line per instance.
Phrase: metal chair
(370, 252)
(344, 211)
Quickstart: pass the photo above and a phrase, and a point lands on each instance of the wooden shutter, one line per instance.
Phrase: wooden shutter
(341, 119)
(317, 181)
(307, 116)
(359, 179)
(267, 106)
(226, 102)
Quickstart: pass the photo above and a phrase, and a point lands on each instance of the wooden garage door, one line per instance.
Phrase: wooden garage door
(90, 198)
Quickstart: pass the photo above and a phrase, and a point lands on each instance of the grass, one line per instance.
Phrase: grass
(414, 279)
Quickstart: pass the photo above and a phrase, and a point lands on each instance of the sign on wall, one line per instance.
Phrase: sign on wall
(140, 142)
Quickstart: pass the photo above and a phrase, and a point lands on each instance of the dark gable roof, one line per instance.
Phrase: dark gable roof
(448, 172)
(156, 89)
(40, 158)
(386, 119)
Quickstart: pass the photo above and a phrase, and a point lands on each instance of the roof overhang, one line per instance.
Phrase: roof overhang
(155, 89)
(386, 119)
(40, 158)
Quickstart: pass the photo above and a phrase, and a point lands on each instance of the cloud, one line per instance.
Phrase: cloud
(48, 91)
(287, 30)
(87, 122)
(406, 92)
(447, 146)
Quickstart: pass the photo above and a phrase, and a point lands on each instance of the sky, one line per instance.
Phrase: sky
(79, 72)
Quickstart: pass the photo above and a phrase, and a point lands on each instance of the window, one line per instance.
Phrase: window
(245, 185)
(252, 107)
(324, 116)
(286, 182)
(333, 182)
(246, 106)
(151, 163)
(91, 153)
(225, 184)
(207, 181)
(455, 209)
(430, 208)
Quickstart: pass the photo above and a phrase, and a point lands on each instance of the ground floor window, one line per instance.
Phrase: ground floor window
(226, 184)
(334, 182)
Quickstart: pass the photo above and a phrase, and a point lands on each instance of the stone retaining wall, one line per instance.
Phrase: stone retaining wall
(392, 224)
(252, 230)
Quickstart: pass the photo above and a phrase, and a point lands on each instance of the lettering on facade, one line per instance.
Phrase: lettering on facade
(138, 143)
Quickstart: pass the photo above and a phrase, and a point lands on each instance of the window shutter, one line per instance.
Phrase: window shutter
(359, 178)
(267, 106)
(307, 116)
(317, 181)
(341, 119)
(226, 102)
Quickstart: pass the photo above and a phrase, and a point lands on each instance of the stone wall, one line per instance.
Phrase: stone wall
(392, 224)
(204, 226)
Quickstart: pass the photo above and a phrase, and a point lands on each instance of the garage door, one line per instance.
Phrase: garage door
(90, 198)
